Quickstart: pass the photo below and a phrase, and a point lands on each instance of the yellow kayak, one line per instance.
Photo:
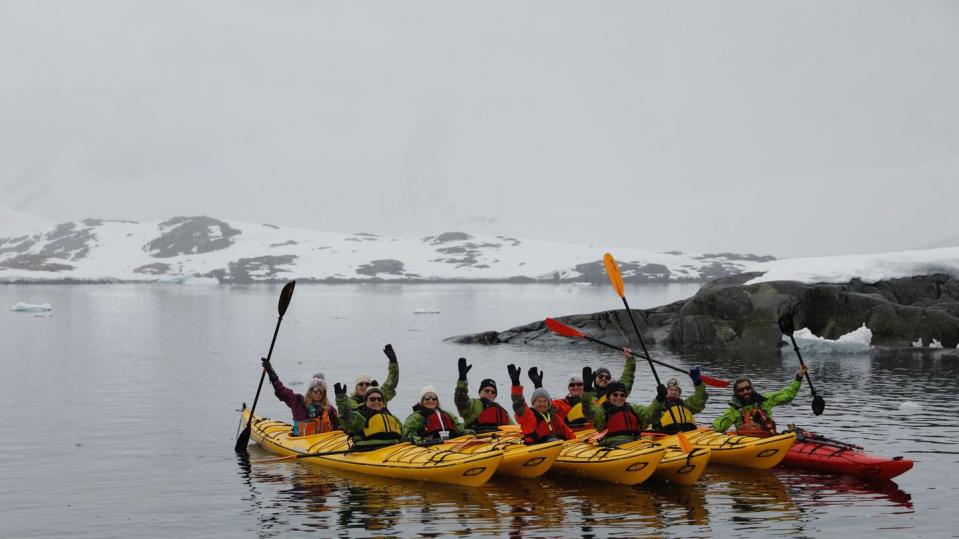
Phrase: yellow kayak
(613, 464)
(745, 451)
(399, 461)
(676, 465)
(519, 459)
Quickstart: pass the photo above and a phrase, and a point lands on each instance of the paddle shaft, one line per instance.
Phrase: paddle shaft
(796, 348)
(244, 437)
(614, 347)
(682, 439)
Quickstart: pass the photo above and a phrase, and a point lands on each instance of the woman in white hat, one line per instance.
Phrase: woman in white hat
(312, 412)
(429, 422)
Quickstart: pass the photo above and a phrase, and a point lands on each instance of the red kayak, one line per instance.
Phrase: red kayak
(815, 452)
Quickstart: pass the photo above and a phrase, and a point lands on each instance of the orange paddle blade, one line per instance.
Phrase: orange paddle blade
(615, 277)
(562, 329)
(683, 442)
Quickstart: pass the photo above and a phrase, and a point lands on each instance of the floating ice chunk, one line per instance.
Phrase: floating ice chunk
(909, 406)
(201, 281)
(935, 344)
(918, 343)
(22, 307)
(854, 342)
(426, 311)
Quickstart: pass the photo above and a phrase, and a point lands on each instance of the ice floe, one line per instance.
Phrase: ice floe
(22, 307)
(854, 342)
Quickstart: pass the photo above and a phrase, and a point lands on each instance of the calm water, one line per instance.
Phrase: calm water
(121, 416)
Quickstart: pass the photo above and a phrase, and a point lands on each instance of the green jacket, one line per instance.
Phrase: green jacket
(353, 422)
(416, 421)
(733, 414)
(469, 408)
(695, 403)
(627, 378)
(388, 387)
(596, 414)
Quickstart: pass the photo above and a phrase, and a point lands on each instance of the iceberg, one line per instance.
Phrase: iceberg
(22, 307)
(426, 311)
(854, 342)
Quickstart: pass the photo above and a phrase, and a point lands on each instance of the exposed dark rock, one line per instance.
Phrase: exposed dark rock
(20, 244)
(737, 256)
(34, 262)
(157, 268)
(191, 235)
(513, 241)
(388, 266)
(271, 226)
(727, 315)
(288, 242)
(447, 237)
(68, 243)
(264, 267)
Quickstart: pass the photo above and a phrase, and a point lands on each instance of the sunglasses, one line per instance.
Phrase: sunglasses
(488, 390)
(617, 394)
(576, 384)
(602, 377)
(431, 398)
(744, 389)
(364, 384)
(317, 390)
(375, 399)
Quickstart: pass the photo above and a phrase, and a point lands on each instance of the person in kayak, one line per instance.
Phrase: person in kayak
(429, 422)
(482, 414)
(751, 412)
(371, 425)
(623, 422)
(602, 377)
(570, 407)
(364, 381)
(541, 423)
(312, 412)
(682, 410)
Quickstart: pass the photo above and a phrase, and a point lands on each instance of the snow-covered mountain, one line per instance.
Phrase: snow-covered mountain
(101, 250)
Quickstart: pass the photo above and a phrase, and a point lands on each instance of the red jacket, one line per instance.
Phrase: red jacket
(536, 427)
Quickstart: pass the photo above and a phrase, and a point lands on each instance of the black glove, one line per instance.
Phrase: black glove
(536, 376)
(339, 390)
(388, 350)
(463, 368)
(374, 383)
(661, 393)
(514, 373)
(269, 369)
(696, 376)
(587, 379)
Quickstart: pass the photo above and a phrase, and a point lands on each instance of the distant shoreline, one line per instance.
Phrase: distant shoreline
(312, 280)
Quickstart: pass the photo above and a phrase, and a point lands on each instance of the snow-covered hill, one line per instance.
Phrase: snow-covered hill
(100, 250)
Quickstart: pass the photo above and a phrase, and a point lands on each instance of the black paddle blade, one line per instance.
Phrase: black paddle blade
(786, 324)
(285, 296)
(244, 440)
(818, 405)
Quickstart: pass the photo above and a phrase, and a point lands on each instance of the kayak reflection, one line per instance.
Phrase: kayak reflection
(825, 490)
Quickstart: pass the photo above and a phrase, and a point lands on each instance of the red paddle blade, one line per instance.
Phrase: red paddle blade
(714, 382)
(562, 329)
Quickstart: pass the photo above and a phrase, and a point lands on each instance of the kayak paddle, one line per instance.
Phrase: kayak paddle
(285, 296)
(566, 331)
(786, 327)
(616, 278)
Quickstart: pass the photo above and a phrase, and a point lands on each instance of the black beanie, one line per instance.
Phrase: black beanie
(489, 382)
(613, 386)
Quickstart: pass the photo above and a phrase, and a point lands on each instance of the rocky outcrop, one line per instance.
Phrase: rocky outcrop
(727, 315)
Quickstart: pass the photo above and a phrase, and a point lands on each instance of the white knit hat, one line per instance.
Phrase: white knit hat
(362, 377)
(317, 380)
(429, 389)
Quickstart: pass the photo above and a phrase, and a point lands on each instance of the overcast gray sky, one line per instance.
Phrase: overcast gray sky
(775, 127)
